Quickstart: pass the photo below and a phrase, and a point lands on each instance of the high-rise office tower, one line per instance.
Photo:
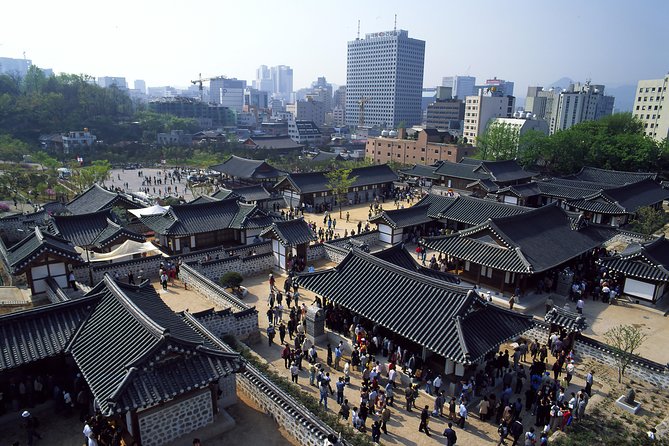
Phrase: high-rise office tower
(650, 97)
(461, 86)
(384, 79)
(263, 80)
(282, 81)
(227, 92)
(578, 103)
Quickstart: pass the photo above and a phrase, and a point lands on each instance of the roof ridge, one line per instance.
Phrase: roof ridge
(139, 315)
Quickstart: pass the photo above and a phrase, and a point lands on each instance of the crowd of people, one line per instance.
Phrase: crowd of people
(527, 393)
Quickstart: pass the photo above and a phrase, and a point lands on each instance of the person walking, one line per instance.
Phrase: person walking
(462, 411)
(589, 379)
(385, 417)
(294, 372)
(340, 385)
(376, 432)
(30, 424)
(451, 436)
(270, 335)
(424, 420)
(516, 430)
(337, 356)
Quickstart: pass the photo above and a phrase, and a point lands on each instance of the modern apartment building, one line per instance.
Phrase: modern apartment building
(384, 79)
(461, 86)
(428, 146)
(443, 114)
(227, 92)
(648, 104)
(109, 81)
(480, 109)
(309, 109)
(578, 103)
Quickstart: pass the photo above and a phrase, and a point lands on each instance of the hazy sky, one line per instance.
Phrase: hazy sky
(169, 42)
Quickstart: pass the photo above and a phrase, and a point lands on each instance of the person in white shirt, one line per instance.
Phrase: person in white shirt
(570, 372)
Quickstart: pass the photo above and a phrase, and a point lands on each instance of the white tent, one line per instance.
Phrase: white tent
(125, 251)
(151, 210)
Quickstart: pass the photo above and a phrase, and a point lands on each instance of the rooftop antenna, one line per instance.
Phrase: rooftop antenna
(395, 28)
(358, 29)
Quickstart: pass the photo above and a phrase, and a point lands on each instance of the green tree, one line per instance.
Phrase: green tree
(648, 220)
(626, 341)
(231, 279)
(499, 141)
(12, 149)
(339, 182)
(85, 177)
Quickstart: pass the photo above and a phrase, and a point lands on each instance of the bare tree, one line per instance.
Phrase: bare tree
(626, 341)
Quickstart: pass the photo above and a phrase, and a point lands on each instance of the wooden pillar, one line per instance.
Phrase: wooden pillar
(478, 276)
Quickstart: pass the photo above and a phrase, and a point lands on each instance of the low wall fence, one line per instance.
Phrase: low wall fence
(246, 266)
(639, 367)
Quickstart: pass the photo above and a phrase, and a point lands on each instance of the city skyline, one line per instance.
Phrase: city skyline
(596, 40)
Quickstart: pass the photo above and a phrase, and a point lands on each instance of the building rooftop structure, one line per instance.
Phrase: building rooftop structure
(317, 181)
(96, 229)
(443, 317)
(617, 177)
(290, 232)
(35, 245)
(516, 244)
(248, 169)
(96, 198)
(648, 260)
(201, 217)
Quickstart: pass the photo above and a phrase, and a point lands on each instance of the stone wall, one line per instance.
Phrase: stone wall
(165, 423)
(335, 253)
(639, 368)
(149, 265)
(246, 266)
(242, 320)
(242, 251)
(315, 252)
(627, 237)
(302, 425)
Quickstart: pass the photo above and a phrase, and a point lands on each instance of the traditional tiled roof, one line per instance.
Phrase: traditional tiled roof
(189, 219)
(204, 199)
(135, 352)
(402, 218)
(248, 193)
(402, 258)
(290, 232)
(473, 211)
(625, 199)
(437, 203)
(312, 182)
(569, 189)
(522, 190)
(95, 229)
(95, 199)
(32, 335)
(238, 167)
(37, 244)
(322, 157)
(465, 171)
(421, 171)
(222, 194)
(649, 261)
(486, 184)
(570, 320)
(504, 171)
(531, 242)
(273, 143)
(616, 177)
(442, 317)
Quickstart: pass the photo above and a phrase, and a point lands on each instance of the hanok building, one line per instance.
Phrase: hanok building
(616, 177)
(147, 368)
(94, 232)
(42, 257)
(96, 198)
(617, 206)
(393, 225)
(312, 188)
(508, 252)
(465, 211)
(243, 171)
(501, 174)
(290, 241)
(452, 328)
(645, 268)
(420, 175)
(256, 194)
(207, 224)
(280, 145)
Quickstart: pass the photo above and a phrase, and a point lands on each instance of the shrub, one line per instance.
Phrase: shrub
(231, 279)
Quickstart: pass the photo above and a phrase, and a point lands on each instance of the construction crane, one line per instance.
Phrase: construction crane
(199, 81)
(361, 102)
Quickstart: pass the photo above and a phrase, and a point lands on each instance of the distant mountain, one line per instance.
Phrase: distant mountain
(624, 95)
(563, 83)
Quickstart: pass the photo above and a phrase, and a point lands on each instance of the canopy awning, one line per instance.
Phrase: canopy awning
(126, 249)
(151, 210)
